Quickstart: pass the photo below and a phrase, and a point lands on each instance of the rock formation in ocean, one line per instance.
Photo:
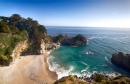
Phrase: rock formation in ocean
(70, 41)
(121, 59)
(74, 41)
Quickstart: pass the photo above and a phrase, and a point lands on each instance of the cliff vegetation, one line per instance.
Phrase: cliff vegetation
(15, 29)
(96, 79)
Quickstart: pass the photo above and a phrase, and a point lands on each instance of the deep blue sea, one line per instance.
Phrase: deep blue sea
(101, 41)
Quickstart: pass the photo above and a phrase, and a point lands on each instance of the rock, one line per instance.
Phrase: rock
(74, 41)
(121, 59)
(67, 41)
(19, 48)
(59, 38)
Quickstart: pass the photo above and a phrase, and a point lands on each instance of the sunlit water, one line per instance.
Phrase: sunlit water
(101, 41)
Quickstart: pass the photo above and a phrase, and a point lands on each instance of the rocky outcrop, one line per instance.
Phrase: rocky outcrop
(121, 59)
(42, 51)
(48, 46)
(74, 41)
(96, 79)
(59, 38)
(19, 48)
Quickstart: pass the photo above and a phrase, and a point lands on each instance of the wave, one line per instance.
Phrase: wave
(60, 71)
(85, 70)
(83, 63)
(108, 60)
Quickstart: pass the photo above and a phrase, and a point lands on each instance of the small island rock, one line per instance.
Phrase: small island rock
(121, 59)
(67, 41)
(74, 41)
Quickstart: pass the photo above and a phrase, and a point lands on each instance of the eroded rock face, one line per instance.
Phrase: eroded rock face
(19, 48)
(121, 59)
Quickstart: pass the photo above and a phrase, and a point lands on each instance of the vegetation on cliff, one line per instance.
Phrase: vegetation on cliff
(14, 29)
(96, 79)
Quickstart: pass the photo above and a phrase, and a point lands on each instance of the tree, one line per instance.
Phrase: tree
(13, 29)
(15, 18)
(42, 29)
(4, 19)
(4, 28)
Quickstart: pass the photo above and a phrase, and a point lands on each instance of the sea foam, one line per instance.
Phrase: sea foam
(61, 71)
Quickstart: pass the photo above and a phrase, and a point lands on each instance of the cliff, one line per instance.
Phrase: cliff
(19, 48)
(121, 59)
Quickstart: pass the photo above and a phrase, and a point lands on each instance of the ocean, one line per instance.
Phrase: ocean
(102, 42)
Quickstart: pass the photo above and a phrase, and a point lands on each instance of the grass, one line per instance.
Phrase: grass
(8, 43)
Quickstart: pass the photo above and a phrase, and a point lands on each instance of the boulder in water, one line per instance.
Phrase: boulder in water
(121, 59)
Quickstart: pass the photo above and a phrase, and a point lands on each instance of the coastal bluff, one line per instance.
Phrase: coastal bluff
(121, 59)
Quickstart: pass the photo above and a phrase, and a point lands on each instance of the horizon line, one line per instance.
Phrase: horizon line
(89, 27)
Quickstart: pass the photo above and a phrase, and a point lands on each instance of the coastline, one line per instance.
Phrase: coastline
(51, 74)
(30, 69)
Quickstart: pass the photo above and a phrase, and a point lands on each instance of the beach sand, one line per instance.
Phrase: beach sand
(31, 69)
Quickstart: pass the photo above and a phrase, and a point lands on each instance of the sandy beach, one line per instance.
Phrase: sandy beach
(31, 69)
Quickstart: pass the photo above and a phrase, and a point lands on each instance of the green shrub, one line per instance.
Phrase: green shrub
(8, 51)
(119, 77)
(72, 78)
(115, 82)
(99, 77)
(82, 82)
(3, 59)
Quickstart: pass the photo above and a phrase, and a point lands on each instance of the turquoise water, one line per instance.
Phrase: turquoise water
(101, 41)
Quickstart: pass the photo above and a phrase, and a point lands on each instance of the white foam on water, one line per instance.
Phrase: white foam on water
(83, 63)
(108, 60)
(84, 70)
(61, 71)
(94, 37)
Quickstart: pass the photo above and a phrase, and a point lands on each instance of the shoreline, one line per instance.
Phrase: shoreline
(30, 69)
(89, 74)
(52, 74)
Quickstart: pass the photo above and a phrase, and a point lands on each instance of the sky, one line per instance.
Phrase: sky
(84, 13)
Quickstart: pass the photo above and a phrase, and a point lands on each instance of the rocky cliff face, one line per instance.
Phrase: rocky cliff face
(43, 47)
(19, 48)
(121, 59)
(74, 41)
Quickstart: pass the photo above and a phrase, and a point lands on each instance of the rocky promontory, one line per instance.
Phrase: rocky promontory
(121, 59)
(70, 41)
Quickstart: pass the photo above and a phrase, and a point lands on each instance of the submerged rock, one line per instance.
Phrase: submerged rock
(121, 59)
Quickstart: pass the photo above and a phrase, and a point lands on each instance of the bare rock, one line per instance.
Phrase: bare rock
(121, 59)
